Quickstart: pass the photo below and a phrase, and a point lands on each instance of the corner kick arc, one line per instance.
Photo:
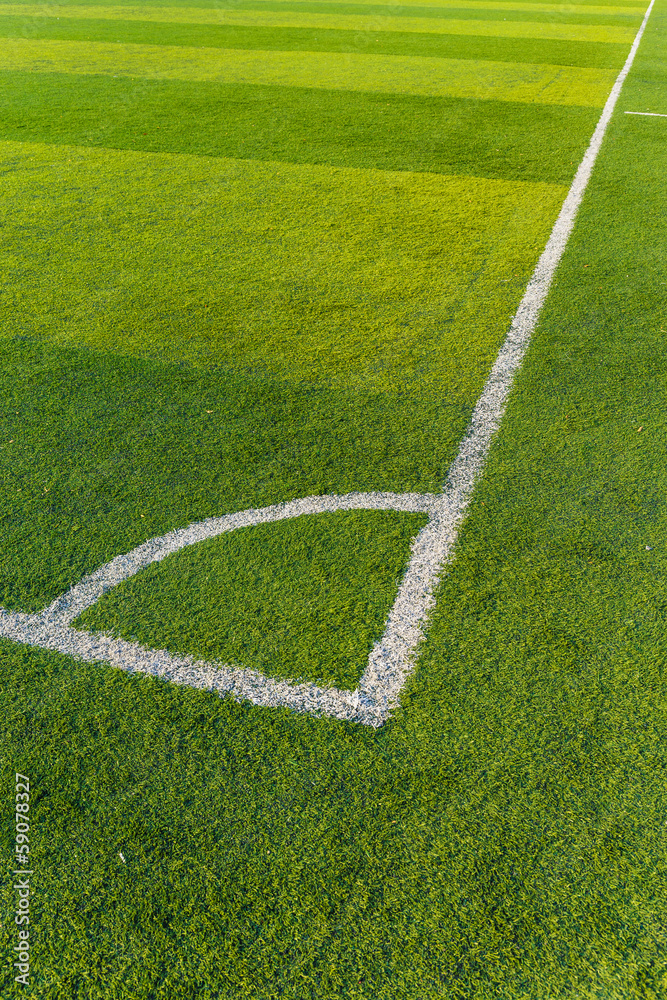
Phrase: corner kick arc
(393, 658)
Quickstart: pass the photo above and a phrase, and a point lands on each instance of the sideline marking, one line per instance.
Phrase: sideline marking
(651, 114)
(393, 658)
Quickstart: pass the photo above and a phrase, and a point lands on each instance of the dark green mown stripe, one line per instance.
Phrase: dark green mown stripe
(446, 13)
(446, 135)
(557, 53)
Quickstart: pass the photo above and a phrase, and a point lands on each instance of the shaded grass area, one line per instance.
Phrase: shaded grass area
(292, 270)
(272, 597)
(299, 125)
(99, 452)
(229, 36)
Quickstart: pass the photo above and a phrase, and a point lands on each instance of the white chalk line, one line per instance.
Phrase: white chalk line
(393, 658)
(50, 629)
(646, 114)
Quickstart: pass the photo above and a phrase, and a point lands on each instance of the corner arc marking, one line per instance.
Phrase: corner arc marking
(88, 591)
(393, 658)
(51, 628)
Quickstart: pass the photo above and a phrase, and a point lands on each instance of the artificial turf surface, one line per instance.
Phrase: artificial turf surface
(275, 599)
(191, 260)
(505, 833)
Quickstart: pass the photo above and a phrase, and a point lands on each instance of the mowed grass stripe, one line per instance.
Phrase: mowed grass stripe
(220, 6)
(372, 277)
(612, 16)
(219, 12)
(299, 125)
(445, 26)
(546, 51)
(416, 75)
(426, 25)
(186, 15)
(399, 9)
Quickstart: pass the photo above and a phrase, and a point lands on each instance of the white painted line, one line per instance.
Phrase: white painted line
(649, 114)
(393, 658)
(50, 629)
(88, 591)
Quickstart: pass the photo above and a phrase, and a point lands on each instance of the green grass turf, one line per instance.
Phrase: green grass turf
(537, 50)
(343, 71)
(331, 276)
(501, 28)
(149, 14)
(299, 125)
(100, 452)
(283, 408)
(504, 833)
(273, 596)
(222, 5)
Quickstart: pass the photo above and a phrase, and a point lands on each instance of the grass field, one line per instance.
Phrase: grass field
(261, 250)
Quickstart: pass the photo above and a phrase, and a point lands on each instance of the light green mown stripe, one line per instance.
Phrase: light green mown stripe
(546, 8)
(367, 276)
(416, 75)
(426, 25)
(194, 15)
(354, 22)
